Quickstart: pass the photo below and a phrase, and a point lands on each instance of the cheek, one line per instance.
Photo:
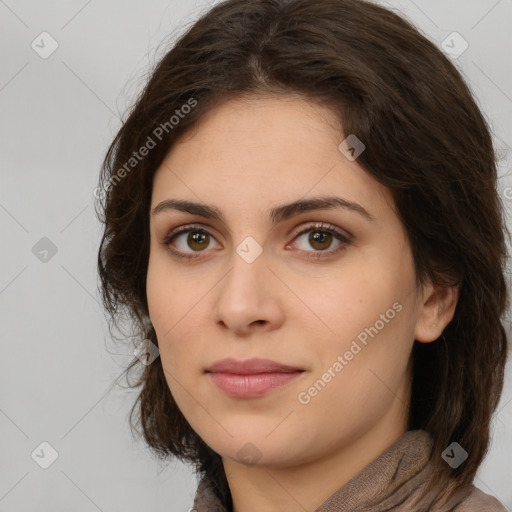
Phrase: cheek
(165, 292)
(346, 301)
(366, 314)
(174, 304)
(164, 313)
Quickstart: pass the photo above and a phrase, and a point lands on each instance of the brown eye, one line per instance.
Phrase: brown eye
(320, 240)
(197, 241)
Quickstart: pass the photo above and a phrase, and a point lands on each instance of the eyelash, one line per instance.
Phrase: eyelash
(320, 227)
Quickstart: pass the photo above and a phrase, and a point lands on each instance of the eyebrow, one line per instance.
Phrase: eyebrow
(277, 214)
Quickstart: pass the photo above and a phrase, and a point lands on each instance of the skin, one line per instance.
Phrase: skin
(245, 157)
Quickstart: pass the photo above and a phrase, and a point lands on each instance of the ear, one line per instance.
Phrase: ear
(435, 312)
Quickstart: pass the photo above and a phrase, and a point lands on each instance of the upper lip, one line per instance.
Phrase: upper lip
(250, 366)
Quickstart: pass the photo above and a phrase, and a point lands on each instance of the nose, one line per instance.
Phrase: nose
(248, 299)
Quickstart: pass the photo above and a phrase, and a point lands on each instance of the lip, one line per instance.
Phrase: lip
(251, 378)
(250, 366)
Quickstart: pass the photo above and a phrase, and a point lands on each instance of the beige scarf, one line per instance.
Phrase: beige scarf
(392, 482)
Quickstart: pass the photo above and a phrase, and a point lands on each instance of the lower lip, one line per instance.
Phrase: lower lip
(250, 386)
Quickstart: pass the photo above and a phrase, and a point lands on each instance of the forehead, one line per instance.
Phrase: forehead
(264, 151)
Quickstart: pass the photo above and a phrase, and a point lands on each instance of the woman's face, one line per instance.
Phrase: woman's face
(262, 281)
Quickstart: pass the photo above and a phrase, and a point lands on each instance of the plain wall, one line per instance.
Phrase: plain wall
(58, 115)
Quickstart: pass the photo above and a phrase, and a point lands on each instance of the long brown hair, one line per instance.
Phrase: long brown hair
(426, 140)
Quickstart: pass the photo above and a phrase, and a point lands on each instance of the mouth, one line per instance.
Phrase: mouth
(251, 378)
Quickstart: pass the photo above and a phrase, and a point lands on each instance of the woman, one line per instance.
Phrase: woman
(301, 214)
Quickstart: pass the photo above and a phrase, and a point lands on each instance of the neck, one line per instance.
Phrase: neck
(306, 486)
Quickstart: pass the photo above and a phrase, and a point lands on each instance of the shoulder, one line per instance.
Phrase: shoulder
(479, 501)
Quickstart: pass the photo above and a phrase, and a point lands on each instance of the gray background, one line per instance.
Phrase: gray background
(57, 117)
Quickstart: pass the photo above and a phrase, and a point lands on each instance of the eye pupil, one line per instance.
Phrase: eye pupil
(320, 237)
(197, 238)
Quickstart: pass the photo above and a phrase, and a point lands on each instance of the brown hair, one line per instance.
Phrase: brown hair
(426, 140)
